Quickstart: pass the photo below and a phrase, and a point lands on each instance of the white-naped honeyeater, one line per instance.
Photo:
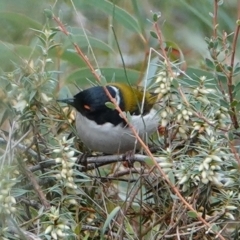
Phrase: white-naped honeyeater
(102, 129)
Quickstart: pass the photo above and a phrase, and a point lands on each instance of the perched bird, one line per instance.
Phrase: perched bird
(102, 129)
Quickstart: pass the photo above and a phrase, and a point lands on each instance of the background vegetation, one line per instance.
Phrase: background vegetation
(187, 52)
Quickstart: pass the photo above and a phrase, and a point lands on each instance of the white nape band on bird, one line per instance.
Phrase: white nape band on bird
(117, 97)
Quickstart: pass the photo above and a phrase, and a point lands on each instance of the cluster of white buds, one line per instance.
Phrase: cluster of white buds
(200, 92)
(231, 198)
(183, 176)
(7, 202)
(57, 228)
(201, 127)
(165, 162)
(20, 103)
(163, 82)
(166, 115)
(67, 161)
(209, 168)
(182, 120)
(220, 117)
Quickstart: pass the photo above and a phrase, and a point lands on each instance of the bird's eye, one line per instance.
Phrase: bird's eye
(86, 107)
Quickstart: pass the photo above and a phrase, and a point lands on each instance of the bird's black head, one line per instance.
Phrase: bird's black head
(91, 103)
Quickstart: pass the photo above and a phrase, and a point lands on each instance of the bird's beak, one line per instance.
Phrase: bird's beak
(69, 101)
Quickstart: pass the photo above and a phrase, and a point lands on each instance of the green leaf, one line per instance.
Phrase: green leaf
(119, 14)
(192, 214)
(238, 107)
(110, 105)
(83, 76)
(192, 75)
(109, 219)
(14, 25)
(48, 13)
(236, 90)
(129, 117)
(155, 17)
(224, 103)
(209, 63)
(149, 161)
(153, 34)
(3, 115)
(15, 53)
(230, 135)
(234, 103)
(236, 69)
(175, 83)
(82, 42)
(171, 177)
(222, 78)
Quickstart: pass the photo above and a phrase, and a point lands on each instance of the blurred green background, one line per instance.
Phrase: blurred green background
(184, 22)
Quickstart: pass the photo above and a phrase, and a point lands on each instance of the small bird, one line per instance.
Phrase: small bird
(102, 129)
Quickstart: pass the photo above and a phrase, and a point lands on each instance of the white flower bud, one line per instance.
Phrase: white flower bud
(204, 174)
(206, 165)
(70, 154)
(195, 92)
(164, 122)
(164, 79)
(58, 160)
(12, 209)
(59, 232)
(54, 235)
(181, 130)
(203, 91)
(58, 176)
(66, 149)
(179, 116)
(216, 158)
(159, 79)
(157, 90)
(164, 91)
(163, 114)
(203, 99)
(200, 168)
(208, 159)
(70, 179)
(186, 117)
(197, 127)
(73, 159)
(165, 164)
(70, 164)
(162, 86)
(57, 150)
(230, 207)
(184, 179)
(63, 226)
(229, 215)
(205, 180)
(10, 199)
(184, 112)
(4, 192)
(197, 178)
(72, 201)
(48, 229)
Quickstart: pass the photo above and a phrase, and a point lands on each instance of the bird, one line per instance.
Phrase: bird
(102, 129)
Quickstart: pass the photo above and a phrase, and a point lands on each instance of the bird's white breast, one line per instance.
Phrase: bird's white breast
(112, 139)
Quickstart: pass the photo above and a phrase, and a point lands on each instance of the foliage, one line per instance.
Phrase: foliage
(187, 188)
